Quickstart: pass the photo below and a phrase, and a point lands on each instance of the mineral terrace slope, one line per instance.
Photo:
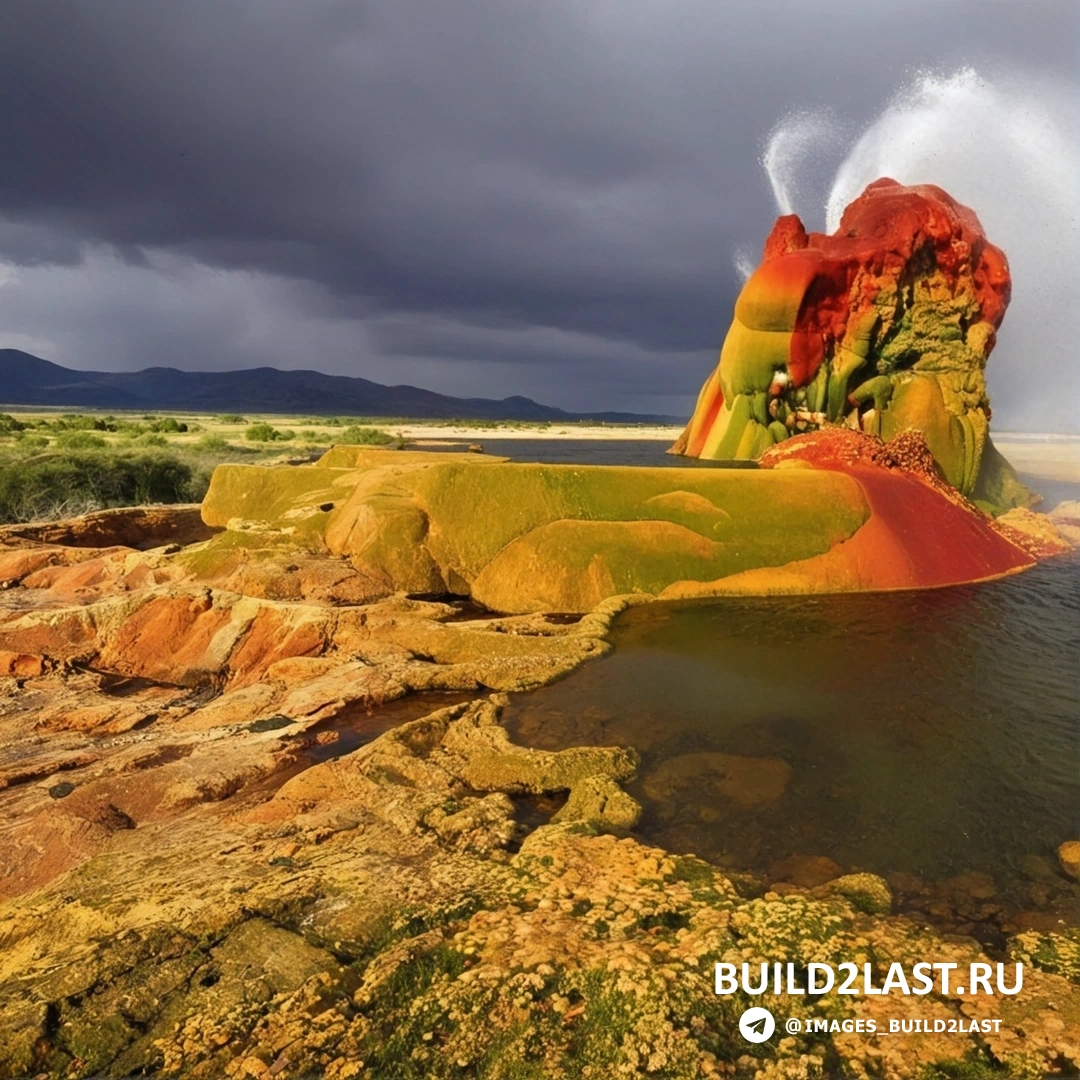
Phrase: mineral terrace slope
(529, 537)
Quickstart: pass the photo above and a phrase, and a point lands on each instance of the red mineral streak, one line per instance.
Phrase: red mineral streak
(921, 533)
(711, 413)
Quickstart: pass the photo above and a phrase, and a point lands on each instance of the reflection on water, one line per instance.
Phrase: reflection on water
(931, 733)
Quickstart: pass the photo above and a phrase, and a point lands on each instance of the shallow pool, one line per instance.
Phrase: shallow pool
(926, 734)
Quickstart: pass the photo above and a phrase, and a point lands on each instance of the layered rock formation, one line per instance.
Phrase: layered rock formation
(885, 326)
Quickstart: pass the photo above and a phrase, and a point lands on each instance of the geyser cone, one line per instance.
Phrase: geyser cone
(884, 326)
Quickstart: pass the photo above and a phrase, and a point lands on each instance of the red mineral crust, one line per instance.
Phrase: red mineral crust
(841, 275)
(879, 235)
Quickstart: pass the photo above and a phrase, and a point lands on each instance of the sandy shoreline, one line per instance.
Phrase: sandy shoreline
(1049, 457)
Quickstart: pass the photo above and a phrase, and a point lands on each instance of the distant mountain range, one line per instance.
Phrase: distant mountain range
(29, 380)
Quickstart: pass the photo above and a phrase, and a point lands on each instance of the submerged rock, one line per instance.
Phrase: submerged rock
(806, 871)
(746, 781)
(1037, 867)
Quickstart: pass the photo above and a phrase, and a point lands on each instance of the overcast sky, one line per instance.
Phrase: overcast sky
(484, 198)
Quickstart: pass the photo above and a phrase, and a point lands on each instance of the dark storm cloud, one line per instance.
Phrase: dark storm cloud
(486, 197)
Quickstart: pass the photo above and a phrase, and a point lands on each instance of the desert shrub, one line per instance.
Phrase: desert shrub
(81, 422)
(80, 440)
(212, 444)
(150, 438)
(260, 433)
(196, 488)
(9, 425)
(231, 418)
(60, 483)
(364, 436)
(30, 443)
(130, 427)
(266, 433)
(169, 424)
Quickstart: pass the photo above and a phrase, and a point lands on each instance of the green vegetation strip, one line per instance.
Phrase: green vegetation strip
(56, 465)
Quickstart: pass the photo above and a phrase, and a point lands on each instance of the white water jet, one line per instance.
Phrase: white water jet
(742, 258)
(798, 152)
(1008, 147)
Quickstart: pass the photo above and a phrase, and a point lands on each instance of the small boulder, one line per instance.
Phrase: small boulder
(16, 665)
(1069, 857)
(707, 776)
(866, 892)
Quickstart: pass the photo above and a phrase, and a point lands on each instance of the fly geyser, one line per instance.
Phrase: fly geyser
(884, 326)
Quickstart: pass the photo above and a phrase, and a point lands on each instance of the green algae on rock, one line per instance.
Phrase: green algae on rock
(519, 537)
(599, 800)
(1057, 952)
(866, 892)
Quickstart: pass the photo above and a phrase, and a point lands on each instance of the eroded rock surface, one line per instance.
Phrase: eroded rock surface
(147, 691)
(260, 817)
(139, 527)
(384, 914)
